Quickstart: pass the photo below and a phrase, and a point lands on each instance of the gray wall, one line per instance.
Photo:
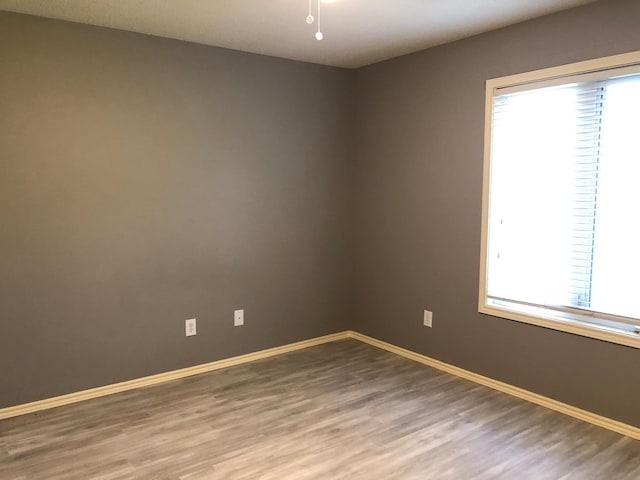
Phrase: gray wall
(421, 126)
(145, 181)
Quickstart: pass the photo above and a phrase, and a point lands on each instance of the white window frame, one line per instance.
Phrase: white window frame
(575, 323)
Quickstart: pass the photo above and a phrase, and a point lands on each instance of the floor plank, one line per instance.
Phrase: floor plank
(343, 410)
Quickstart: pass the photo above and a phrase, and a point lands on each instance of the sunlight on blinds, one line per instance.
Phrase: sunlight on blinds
(564, 198)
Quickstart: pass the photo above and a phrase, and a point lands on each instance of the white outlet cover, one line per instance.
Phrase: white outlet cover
(238, 318)
(428, 318)
(190, 327)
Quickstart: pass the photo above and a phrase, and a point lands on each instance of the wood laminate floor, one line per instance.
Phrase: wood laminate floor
(343, 410)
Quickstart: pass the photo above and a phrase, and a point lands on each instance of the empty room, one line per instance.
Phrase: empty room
(316, 239)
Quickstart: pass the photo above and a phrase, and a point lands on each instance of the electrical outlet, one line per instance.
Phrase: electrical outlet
(428, 318)
(238, 318)
(190, 327)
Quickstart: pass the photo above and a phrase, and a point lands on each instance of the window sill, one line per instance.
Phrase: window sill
(560, 321)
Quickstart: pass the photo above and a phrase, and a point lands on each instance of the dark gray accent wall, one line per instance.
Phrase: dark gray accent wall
(144, 181)
(421, 127)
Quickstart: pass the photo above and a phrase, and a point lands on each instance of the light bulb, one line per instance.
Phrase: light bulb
(319, 36)
(309, 19)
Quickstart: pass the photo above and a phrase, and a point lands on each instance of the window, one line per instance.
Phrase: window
(561, 199)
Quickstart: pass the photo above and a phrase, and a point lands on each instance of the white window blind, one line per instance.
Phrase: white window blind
(563, 226)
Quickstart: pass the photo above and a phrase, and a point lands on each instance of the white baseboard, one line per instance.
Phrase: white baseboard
(595, 419)
(162, 377)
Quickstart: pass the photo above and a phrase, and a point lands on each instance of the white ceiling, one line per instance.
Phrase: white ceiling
(356, 32)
